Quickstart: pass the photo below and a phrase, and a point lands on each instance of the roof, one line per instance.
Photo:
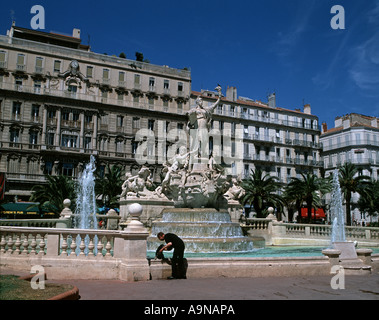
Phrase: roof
(252, 104)
(48, 37)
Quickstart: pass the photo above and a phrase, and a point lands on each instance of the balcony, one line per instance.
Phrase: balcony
(21, 67)
(48, 92)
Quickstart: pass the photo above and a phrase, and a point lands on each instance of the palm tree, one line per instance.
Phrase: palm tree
(309, 189)
(369, 198)
(260, 192)
(51, 195)
(350, 182)
(109, 186)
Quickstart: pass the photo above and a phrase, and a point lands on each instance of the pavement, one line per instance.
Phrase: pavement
(230, 289)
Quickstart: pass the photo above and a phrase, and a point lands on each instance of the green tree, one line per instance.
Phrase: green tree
(261, 192)
(108, 188)
(369, 198)
(51, 195)
(309, 189)
(350, 182)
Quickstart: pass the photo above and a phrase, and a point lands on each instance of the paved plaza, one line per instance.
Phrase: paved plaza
(196, 289)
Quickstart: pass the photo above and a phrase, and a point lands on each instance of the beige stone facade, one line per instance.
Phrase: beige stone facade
(281, 142)
(61, 103)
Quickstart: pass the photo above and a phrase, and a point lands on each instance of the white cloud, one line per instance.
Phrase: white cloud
(365, 67)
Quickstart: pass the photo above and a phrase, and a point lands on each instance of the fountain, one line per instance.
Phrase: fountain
(343, 252)
(336, 209)
(198, 191)
(85, 212)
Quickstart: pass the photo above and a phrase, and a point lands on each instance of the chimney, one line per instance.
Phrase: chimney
(374, 122)
(231, 93)
(307, 108)
(346, 123)
(324, 127)
(76, 33)
(272, 100)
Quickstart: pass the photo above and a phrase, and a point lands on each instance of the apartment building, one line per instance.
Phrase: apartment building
(355, 139)
(60, 103)
(281, 142)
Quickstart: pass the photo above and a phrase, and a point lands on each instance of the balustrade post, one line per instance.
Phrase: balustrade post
(52, 249)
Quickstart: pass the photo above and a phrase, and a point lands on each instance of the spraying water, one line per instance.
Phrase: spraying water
(336, 210)
(86, 201)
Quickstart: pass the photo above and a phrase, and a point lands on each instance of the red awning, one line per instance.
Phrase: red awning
(319, 213)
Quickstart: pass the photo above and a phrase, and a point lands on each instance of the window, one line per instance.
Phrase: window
(14, 137)
(166, 84)
(18, 83)
(89, 73)
(33, 138)
(20, 62)
(150, 124)
(180, 107)
(16, 111)
(37, 86)
(136, 123)
(39, 65)
(165, 105)
(67, 169)
(35, 112)
(180, 86)
(120, 121)
(48, 169)
(105, 73)
(151, 82)
(3, 59)
(65, 115)
(134, 147)
(69, 141)
(151, 103)
(50, 138)
(51, 114)
(87, 143)
(137, 79)
(121, 77)
(57, 66)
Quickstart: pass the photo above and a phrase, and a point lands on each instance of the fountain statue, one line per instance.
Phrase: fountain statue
(198, 192)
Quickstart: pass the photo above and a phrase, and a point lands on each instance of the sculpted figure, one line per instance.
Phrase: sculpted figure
(235, 192)
(179, 164)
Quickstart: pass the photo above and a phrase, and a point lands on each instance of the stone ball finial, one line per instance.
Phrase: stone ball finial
(135, 210)
(66, 203)
(271, 215)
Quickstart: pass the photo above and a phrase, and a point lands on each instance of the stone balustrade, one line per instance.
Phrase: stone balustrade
(102, 254)
(279, 233)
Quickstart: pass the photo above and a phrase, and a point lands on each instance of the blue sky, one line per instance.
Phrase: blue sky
(287, 47)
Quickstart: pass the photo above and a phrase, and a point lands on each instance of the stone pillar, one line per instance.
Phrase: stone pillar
(94, 135)
(58, 132)
(131, 248)
(44, 126)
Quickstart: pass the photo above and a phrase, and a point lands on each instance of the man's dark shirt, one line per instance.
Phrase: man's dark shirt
(174, 239)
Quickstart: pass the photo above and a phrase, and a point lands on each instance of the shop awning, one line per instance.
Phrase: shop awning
(320, 214)
(19, 209)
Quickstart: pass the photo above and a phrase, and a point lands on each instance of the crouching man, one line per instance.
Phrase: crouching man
(178, 263)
